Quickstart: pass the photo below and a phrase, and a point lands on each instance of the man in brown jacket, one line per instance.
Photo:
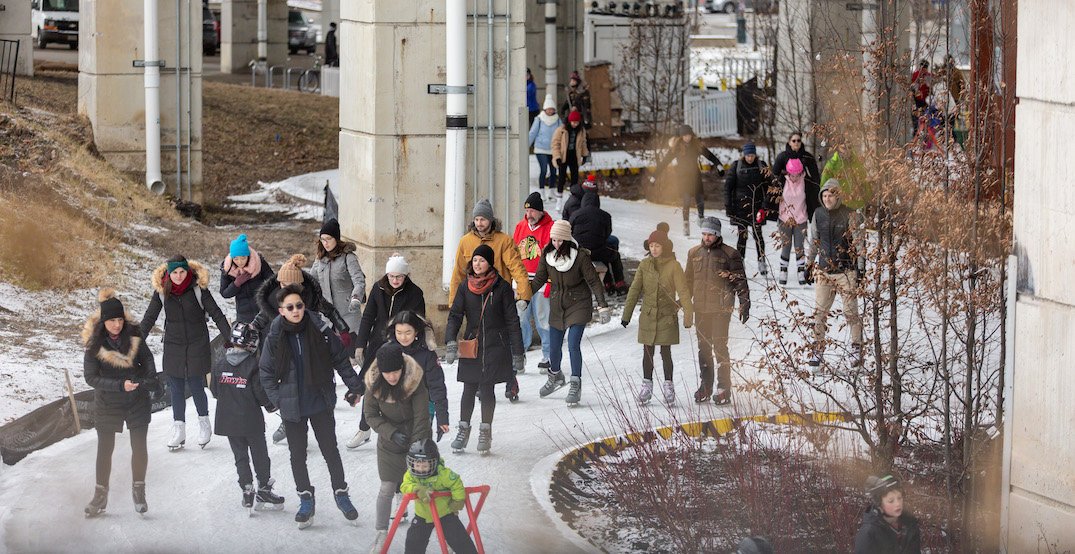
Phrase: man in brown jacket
(715, 276)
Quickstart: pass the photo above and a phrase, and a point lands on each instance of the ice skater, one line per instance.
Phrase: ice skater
(427, 474)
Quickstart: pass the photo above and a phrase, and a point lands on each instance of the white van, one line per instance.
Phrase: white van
(54, 21)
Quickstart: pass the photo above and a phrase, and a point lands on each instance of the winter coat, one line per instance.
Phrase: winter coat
(498, 332)
(532, 241)
(531, 96)
(386, 416)
(239, 395)
(579, 98)
(444, 480)
(590, 225)
(507, 263)
(715, 276)
(382, 307)
(573, 202)
(332, 56)
(284, 392)
(341, 279)
(559, 145)
(311, 296)
(424, 351)
(573, 284)
(659, 281)
(689, 173)
(186, 336)
(541, 135)
(746, 189)
(832, 238)
(793, 204)
(813, 175)
(876, 536)
(245, 295)
(105, 368)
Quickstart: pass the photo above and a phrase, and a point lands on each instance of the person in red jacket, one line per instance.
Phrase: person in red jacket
(531, 237)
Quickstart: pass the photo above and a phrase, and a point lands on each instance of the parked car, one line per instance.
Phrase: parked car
(210, 31)
(54, 21)
(301, 33)
(732, 6)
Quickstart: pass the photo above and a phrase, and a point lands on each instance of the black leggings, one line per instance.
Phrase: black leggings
(488, 398)
(106, 443)
(647, 361)
(455, 534)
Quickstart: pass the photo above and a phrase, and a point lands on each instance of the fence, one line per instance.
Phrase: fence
(710, 113)
(9, 60)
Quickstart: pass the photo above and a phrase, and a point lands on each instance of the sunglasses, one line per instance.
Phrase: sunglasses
(796, 141)
(294, 307)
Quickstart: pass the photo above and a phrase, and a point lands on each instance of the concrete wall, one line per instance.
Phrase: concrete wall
(111, 91)
(330, 12)
(570, 19)
(392, 132)
(15, 25)
(1042, 488)
(239, 34)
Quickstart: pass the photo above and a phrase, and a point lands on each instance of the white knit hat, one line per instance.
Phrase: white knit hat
(397, 264)
(549, 102)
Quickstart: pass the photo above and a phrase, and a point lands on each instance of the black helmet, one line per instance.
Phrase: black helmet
(423, 458)
(876, 487)
(244, 335)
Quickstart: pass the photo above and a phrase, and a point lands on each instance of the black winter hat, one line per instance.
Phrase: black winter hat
(534, 202)
(390, 357)
(485, 252)
(111, 307)
(331, 228)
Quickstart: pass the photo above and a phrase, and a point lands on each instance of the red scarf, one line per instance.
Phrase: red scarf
(480, 284)
(178, 290)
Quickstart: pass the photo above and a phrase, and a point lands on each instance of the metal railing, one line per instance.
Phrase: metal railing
(9, 61)
(711, 113)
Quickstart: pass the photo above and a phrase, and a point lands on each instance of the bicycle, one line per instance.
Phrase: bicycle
(310, 80)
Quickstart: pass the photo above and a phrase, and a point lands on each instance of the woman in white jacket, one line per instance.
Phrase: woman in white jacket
(541, 132)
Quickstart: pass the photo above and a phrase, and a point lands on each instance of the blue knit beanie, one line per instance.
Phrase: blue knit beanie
(239, 247)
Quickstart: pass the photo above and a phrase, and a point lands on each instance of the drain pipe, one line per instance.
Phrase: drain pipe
(491, 105)
(263, 30)
(178, 100)
(152, 81)
(455, 155)
(551, 79)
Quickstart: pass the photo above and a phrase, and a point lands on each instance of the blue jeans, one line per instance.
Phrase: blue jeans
(176, 386)
(574, 348)
(539, 310)
(546, 168)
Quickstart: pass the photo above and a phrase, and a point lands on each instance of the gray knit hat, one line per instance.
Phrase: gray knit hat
(711, 225)
(482, 209)
(831, 184)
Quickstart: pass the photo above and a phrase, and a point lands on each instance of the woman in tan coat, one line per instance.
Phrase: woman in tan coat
(569, 151)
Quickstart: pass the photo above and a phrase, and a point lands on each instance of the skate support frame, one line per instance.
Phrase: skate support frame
(472, 516)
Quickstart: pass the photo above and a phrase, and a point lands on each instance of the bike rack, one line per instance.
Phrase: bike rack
(287, 77)
(304, 78)
(472, 515)
(269, 75)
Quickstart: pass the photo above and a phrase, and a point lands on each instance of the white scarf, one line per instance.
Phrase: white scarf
(547, 119)
(562, 264)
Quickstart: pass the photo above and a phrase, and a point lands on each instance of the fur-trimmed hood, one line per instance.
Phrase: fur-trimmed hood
(412, 377)
(93, 338)
(200, 273)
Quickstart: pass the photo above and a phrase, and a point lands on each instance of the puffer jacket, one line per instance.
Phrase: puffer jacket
(341, 279)
(186, 336)
(105, 368)
(245, 295)
(540, 136)
(573, 284)
(444, 480)
(832, 239)
(659, 281)
(876, 536)
(746, 189)
(507, 263)
(386, 416)
(384, 304)
(715, 276)
(498, 332)
(573, 202)
(311, 296)
(590, 225)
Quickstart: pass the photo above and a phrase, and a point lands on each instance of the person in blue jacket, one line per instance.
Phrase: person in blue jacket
(531, 96)
(541, 132)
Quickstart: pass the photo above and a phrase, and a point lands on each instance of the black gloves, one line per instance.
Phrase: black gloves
(400, 439)
(352, 397)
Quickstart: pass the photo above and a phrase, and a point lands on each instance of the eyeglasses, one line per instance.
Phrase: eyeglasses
(294, 307)
(796, 141)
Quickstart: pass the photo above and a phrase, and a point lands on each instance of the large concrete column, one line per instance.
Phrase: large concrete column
(570, 19)
(15, 25)
(239, 34)
(112, 95)
(1041, 496)
(392, 132)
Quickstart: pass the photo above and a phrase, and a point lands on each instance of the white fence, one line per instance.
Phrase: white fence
(711, 113)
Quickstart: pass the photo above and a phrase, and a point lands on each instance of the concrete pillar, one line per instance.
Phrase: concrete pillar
(239, 34)
(15, 25)
(111, 93)
(392, 132)
(1041, 496)
(570, 23)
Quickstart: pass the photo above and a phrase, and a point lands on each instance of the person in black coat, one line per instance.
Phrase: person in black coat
(180, 288)
(488, 304)
(412, 332)
(591, 227)
(119, 366)
(240, 396)
(574, 200)
(886, 527)
(746, 194)
(296, 369)
(291, 273)
(241, 275)
(332, 56)
(392, 294)
(795, 149)
(684, 149)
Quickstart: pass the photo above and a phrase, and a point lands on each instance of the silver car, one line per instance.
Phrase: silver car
(301, 33)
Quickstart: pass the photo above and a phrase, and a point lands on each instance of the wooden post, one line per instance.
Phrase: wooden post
(71, 397)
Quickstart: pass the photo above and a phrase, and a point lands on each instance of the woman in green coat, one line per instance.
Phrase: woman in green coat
(659, 280)
(396, 406)
(571, 276)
